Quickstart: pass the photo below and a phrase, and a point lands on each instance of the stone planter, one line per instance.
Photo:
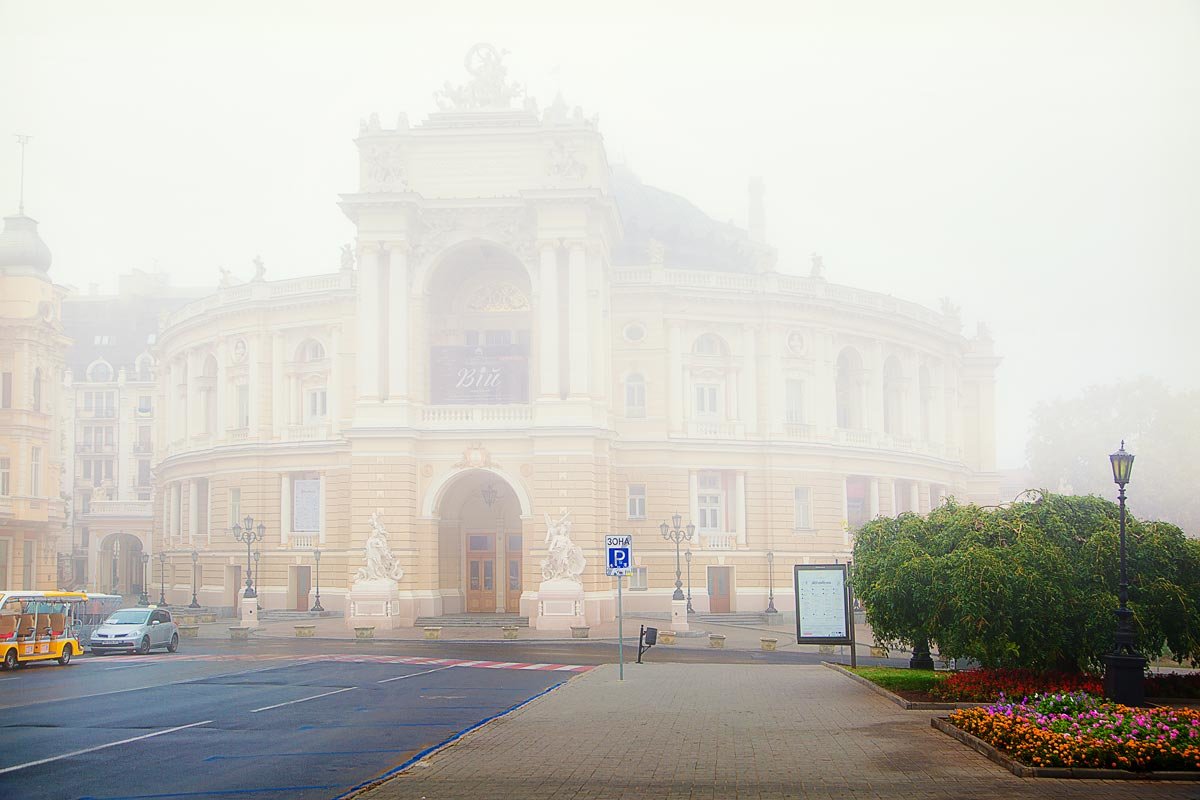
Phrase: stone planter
(825, 649)
(432, 632)
(879, 652)
(580, 631)
(239, 633)
(189, 631)
(187, 619)
(305, 631)
(768, 644)
(209, 617)
(716, 640)
(666, 637)
(510, 631)
(364, 632)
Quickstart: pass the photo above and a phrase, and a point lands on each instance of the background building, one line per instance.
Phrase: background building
(521, 332)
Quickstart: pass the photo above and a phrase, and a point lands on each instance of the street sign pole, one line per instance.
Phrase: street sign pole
(620, 627)
(618, 560)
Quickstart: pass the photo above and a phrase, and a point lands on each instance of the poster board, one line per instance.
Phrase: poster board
(822, 604)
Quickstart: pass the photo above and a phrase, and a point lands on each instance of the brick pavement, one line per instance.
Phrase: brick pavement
(725, 731)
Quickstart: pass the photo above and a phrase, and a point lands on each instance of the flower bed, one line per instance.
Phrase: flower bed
(986, 685)
(1077, 730)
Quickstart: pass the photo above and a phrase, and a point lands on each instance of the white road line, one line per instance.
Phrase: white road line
(100, 747)
(415, 674)
(302, 700)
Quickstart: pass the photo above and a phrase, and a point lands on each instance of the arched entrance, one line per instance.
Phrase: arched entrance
(481, 547)
(119, 568)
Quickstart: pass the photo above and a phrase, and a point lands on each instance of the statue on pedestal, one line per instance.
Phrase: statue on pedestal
(564, 559)
(381, 564)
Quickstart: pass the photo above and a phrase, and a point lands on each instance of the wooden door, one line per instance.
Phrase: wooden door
(718, 589)
(481, 573)
(512, 594)
(303, 586)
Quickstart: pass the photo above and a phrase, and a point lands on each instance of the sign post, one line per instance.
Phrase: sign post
(619, 552)
(823, 605)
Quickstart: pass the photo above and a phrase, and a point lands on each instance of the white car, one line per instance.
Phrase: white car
(135, 630)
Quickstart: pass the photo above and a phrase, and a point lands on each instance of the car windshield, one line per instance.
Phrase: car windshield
(128, 617)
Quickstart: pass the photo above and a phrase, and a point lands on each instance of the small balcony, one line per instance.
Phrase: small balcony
(480, 417)
(715, 429)
(854, 437)
(800, 431)
(717, 540)
(303, 541)
(122, 508)
(307, 432)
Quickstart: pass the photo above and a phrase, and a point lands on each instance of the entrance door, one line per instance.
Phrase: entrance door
(481, 573)
(718, 589)
(302, 587)
(233, 586)
(512, 595)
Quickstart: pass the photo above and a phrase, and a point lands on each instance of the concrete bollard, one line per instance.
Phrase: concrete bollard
(666, 637)
(364, 633)
(580, 631)
(433, 632)
(189, 631)
(510, 631)
(239, 633)
(305, 631)
(716, 640)
(768, 644)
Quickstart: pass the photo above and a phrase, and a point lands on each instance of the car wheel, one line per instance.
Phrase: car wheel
(10, 659)
(67, 652)
(144, 647)
(174, 645)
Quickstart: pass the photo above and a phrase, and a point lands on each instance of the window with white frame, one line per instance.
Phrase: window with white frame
(803, 518)
(315, 408)
(5, 480)
(637, 501)
(306, 502)
(710, 501)
(637, 579)
(794, 401)
(35, 472)
(243, 405)
(235, 507)
(707, 398)
(6, 390)
(635, 396)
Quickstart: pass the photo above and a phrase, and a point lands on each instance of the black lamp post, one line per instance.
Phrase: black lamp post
(248, 533)
(116, 554)
(317, 558)
(144, 599)
(675, 533)
(257, 555)
(1124, 676)
(771, 583)
(162, 577)
(195, 561)
(687, 556)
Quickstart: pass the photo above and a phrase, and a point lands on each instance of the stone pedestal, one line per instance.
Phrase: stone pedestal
(249, 612)
(374, 603)
(560, 605)
(1125, 679)
(679, 618)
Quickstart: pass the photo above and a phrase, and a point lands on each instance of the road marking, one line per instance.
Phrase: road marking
(302, 700)
(100, 747)
(415, 674)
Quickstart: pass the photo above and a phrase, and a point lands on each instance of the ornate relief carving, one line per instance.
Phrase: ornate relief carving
(498, 297)
(383, 168)
(476, 455)
(427, 471)
(561, 161)
(511, 228)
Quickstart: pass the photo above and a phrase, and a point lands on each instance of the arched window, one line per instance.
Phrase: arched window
(100, 371)
(893, 411)
(311, 350)
(635, 396)
(37, 389)
(849, 389)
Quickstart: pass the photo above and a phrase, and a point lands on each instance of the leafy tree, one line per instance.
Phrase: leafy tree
(1070, 441)
(1032, 584)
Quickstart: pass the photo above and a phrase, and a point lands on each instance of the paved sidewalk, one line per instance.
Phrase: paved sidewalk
(717, 731)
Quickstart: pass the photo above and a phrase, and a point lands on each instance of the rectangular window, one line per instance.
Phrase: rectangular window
(35, 472)
(795, 401)
(143, 404)
(710, 512)
(87, 469)
(637, 501)
(635, 397)
(710, 501)
(858, 509)
(89, 401)
(637, 579)
(243, 405)
(110, 436)
(6, 390)
(4, 481)
(235, 507)
(84, 537)
(306, 503)
(706, 399)
(108, 469)
(803, 495)
(143, 478)
(316, 403)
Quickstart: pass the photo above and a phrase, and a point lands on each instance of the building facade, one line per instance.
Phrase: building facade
(32, 347)
(523, 333)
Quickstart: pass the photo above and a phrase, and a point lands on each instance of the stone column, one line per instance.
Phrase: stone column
(221, 391)
(579, 333)
(773, 404)
(252, 357)
(279, 394)
(674, 377)
(397, 322)
(189, 419)
(193, 510)
(739, 516)
(749, 393)
(548, 338)
(914, 497)
(368, 322)
(873, 409)
(334, 389)
(693, 500)
(874, 498)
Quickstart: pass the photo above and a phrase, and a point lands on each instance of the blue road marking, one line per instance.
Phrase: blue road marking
(324, 753)
(213, 793)
(382, 725)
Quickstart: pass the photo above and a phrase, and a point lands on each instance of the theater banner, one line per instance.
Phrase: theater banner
(479, 375)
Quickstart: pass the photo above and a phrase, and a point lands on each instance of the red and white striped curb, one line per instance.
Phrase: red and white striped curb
(344, 658)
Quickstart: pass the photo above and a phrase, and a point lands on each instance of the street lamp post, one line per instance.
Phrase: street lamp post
(249, 534)
(257, 555)
(144, 599)
(116, 555)
(317, 558)
(195, 561)
(688, 558)
(162, 577)
(771, 583)
(1124, 676)
(675, 533)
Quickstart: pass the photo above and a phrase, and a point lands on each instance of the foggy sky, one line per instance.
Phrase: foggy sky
(1036, 162)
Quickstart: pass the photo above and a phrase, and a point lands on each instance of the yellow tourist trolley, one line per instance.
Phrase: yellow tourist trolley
(39, 626)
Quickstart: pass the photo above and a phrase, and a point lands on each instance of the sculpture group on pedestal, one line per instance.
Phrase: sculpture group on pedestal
(564, 558)
(560, 595)
(374, 596)
(381, 564)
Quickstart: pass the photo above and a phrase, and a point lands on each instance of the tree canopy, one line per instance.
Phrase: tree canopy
(1030, 584)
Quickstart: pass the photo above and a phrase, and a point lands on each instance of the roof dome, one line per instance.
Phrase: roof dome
(20, 245)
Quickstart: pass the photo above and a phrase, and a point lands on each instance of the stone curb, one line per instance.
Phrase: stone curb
(1024, 771)
(907, 705)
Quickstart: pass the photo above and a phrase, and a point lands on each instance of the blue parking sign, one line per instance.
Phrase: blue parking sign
(619, 554)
